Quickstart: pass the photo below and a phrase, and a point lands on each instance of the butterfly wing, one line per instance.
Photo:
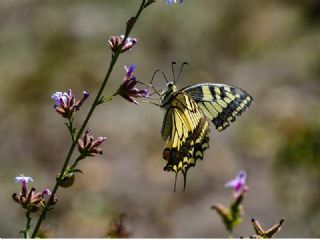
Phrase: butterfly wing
(185, 129)
(220, 103)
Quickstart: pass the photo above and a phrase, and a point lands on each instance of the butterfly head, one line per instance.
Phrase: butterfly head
(171, 87)
(167, 95)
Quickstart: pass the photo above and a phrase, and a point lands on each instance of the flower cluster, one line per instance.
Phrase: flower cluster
(116, 41)
(66, 104)
(88, 146)
(128, 90)
(31, 200)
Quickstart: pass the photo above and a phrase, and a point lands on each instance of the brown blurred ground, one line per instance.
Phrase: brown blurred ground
(269, 48)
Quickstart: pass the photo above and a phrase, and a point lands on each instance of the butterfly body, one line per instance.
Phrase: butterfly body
(185, 126)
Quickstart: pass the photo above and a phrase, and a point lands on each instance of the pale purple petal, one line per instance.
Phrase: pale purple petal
(60, 96)
(86, 94)
(129, 40)
(169, 2)
(130, 70)
(87, 131)
(56, 97)
(46, 192)
(238, 182)
(232, 183)
(101, 139)
(23, 179)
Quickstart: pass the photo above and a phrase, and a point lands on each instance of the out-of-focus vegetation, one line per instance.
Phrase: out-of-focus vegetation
(269, 48)
(298, 160)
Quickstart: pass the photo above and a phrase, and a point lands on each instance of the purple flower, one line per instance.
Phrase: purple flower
(88, 146)
(128, 90)
(46, 192)
(115, 42)
(238, 183)
(169, 2)
(24, 180)
(31, 199)
(66, 104)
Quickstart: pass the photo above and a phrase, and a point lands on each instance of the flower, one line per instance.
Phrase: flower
(46, 191)
(238, 183)
(31, 199)
(232, 216)
(24, 180)
(169, 2)
(115, 42)
(66, 104)
(88, 146)
(128, 90)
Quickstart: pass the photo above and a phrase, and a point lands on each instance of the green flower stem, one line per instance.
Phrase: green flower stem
(230, 234)
(108, 99)
(27, 229)
(71, 129)
(80, 157)
(94, 105)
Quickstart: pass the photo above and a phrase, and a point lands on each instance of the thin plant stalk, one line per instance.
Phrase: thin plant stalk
(27, 229)
(96, 102)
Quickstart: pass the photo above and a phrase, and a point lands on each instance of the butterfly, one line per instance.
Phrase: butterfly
(188, 111)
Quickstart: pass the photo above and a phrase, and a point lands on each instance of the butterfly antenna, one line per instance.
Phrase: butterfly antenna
(154, 74)
(182, 65)
(156, 104)
(150, 97)
(172, 67)
(150, 85)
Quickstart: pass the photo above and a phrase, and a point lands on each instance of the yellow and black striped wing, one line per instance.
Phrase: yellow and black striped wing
(185, 130)
(220, 103)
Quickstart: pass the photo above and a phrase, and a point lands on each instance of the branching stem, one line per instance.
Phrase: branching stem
(84, 124)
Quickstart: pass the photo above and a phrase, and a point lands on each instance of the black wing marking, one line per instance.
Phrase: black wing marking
(188, 138)
(220, 103)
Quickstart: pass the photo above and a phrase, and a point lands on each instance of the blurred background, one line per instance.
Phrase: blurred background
(269, 48)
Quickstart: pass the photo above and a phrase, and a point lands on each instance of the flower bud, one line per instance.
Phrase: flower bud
(116, 41)
(67, 181)
(88, 146)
